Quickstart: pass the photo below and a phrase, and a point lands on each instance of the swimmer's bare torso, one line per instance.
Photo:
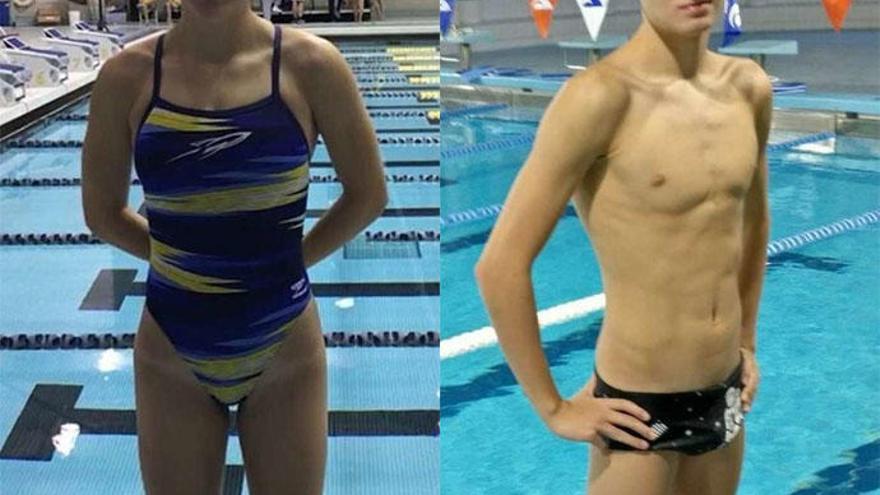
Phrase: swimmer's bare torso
(663, 160)
(664, 208)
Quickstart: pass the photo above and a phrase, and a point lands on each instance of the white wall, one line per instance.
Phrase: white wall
(412, 8)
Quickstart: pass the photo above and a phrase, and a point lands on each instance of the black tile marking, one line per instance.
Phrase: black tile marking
(391, 212)
(109, 289)
(31, 436)
(390, 289)
(138, 289)
(384, 423)
(51, 405)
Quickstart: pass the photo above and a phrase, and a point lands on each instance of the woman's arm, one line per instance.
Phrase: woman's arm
(342, 119)
(575, 131)
(756, 232)
(106, 158)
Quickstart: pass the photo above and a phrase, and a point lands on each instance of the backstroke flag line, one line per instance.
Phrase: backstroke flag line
(732, 22)
(594, 13)
(836, 11)
(447, 10)
(542, 13)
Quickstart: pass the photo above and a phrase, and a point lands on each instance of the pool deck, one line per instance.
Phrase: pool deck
(849, 103)
(40, 97)
(830, 102)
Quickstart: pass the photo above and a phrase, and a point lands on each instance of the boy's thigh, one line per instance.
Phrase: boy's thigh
(614, 472)
(714, 473)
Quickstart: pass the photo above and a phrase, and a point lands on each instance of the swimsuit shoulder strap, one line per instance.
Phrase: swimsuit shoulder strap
(276, 60)
(157, 66)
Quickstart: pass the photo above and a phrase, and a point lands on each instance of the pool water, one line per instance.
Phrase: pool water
(814, 428)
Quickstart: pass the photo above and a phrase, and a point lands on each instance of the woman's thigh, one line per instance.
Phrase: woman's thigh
(181, 430)
(282, 424)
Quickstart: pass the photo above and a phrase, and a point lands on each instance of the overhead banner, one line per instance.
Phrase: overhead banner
(732, 22)
(594, 13)
(542, 13)
(447, 10)
(836, 11)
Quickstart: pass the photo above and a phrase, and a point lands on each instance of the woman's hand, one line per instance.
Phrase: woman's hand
(586, 418)
(750, 379)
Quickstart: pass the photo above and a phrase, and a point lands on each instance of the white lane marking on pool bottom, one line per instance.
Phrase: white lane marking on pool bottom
(483, 337)
(555, 315)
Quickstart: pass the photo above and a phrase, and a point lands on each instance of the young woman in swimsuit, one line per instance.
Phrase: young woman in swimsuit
(661, 148)
(221, 116)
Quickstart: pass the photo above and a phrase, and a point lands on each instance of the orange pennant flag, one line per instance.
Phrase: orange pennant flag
(836, 11)
(542, 13)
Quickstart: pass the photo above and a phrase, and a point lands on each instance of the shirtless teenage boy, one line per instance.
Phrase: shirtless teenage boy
(661, 147)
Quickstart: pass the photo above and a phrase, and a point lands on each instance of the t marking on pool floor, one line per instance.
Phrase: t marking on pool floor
(51, 405)
(388, 212)
(110, 289)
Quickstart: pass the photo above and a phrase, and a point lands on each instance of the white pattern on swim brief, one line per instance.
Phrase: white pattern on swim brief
(733, 417)
(659, 428)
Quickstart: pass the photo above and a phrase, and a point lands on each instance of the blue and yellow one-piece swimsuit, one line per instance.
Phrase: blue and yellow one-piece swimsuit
(225, 194)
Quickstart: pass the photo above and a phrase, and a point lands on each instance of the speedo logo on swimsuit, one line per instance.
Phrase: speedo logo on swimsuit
(659, 428)
(211, 146)
(299, 288)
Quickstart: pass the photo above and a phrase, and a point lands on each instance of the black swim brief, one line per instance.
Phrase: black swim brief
(691, 422)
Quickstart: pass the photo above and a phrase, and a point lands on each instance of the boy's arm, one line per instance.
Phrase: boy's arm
(756, 230)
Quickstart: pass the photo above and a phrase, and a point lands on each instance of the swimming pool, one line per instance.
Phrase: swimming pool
(814, 428)
(378, 300)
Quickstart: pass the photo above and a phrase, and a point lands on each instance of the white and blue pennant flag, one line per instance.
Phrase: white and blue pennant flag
(594, 13)
(732, 22)
(447, 10)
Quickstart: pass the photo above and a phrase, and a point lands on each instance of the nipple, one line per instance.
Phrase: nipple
(658, 180)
